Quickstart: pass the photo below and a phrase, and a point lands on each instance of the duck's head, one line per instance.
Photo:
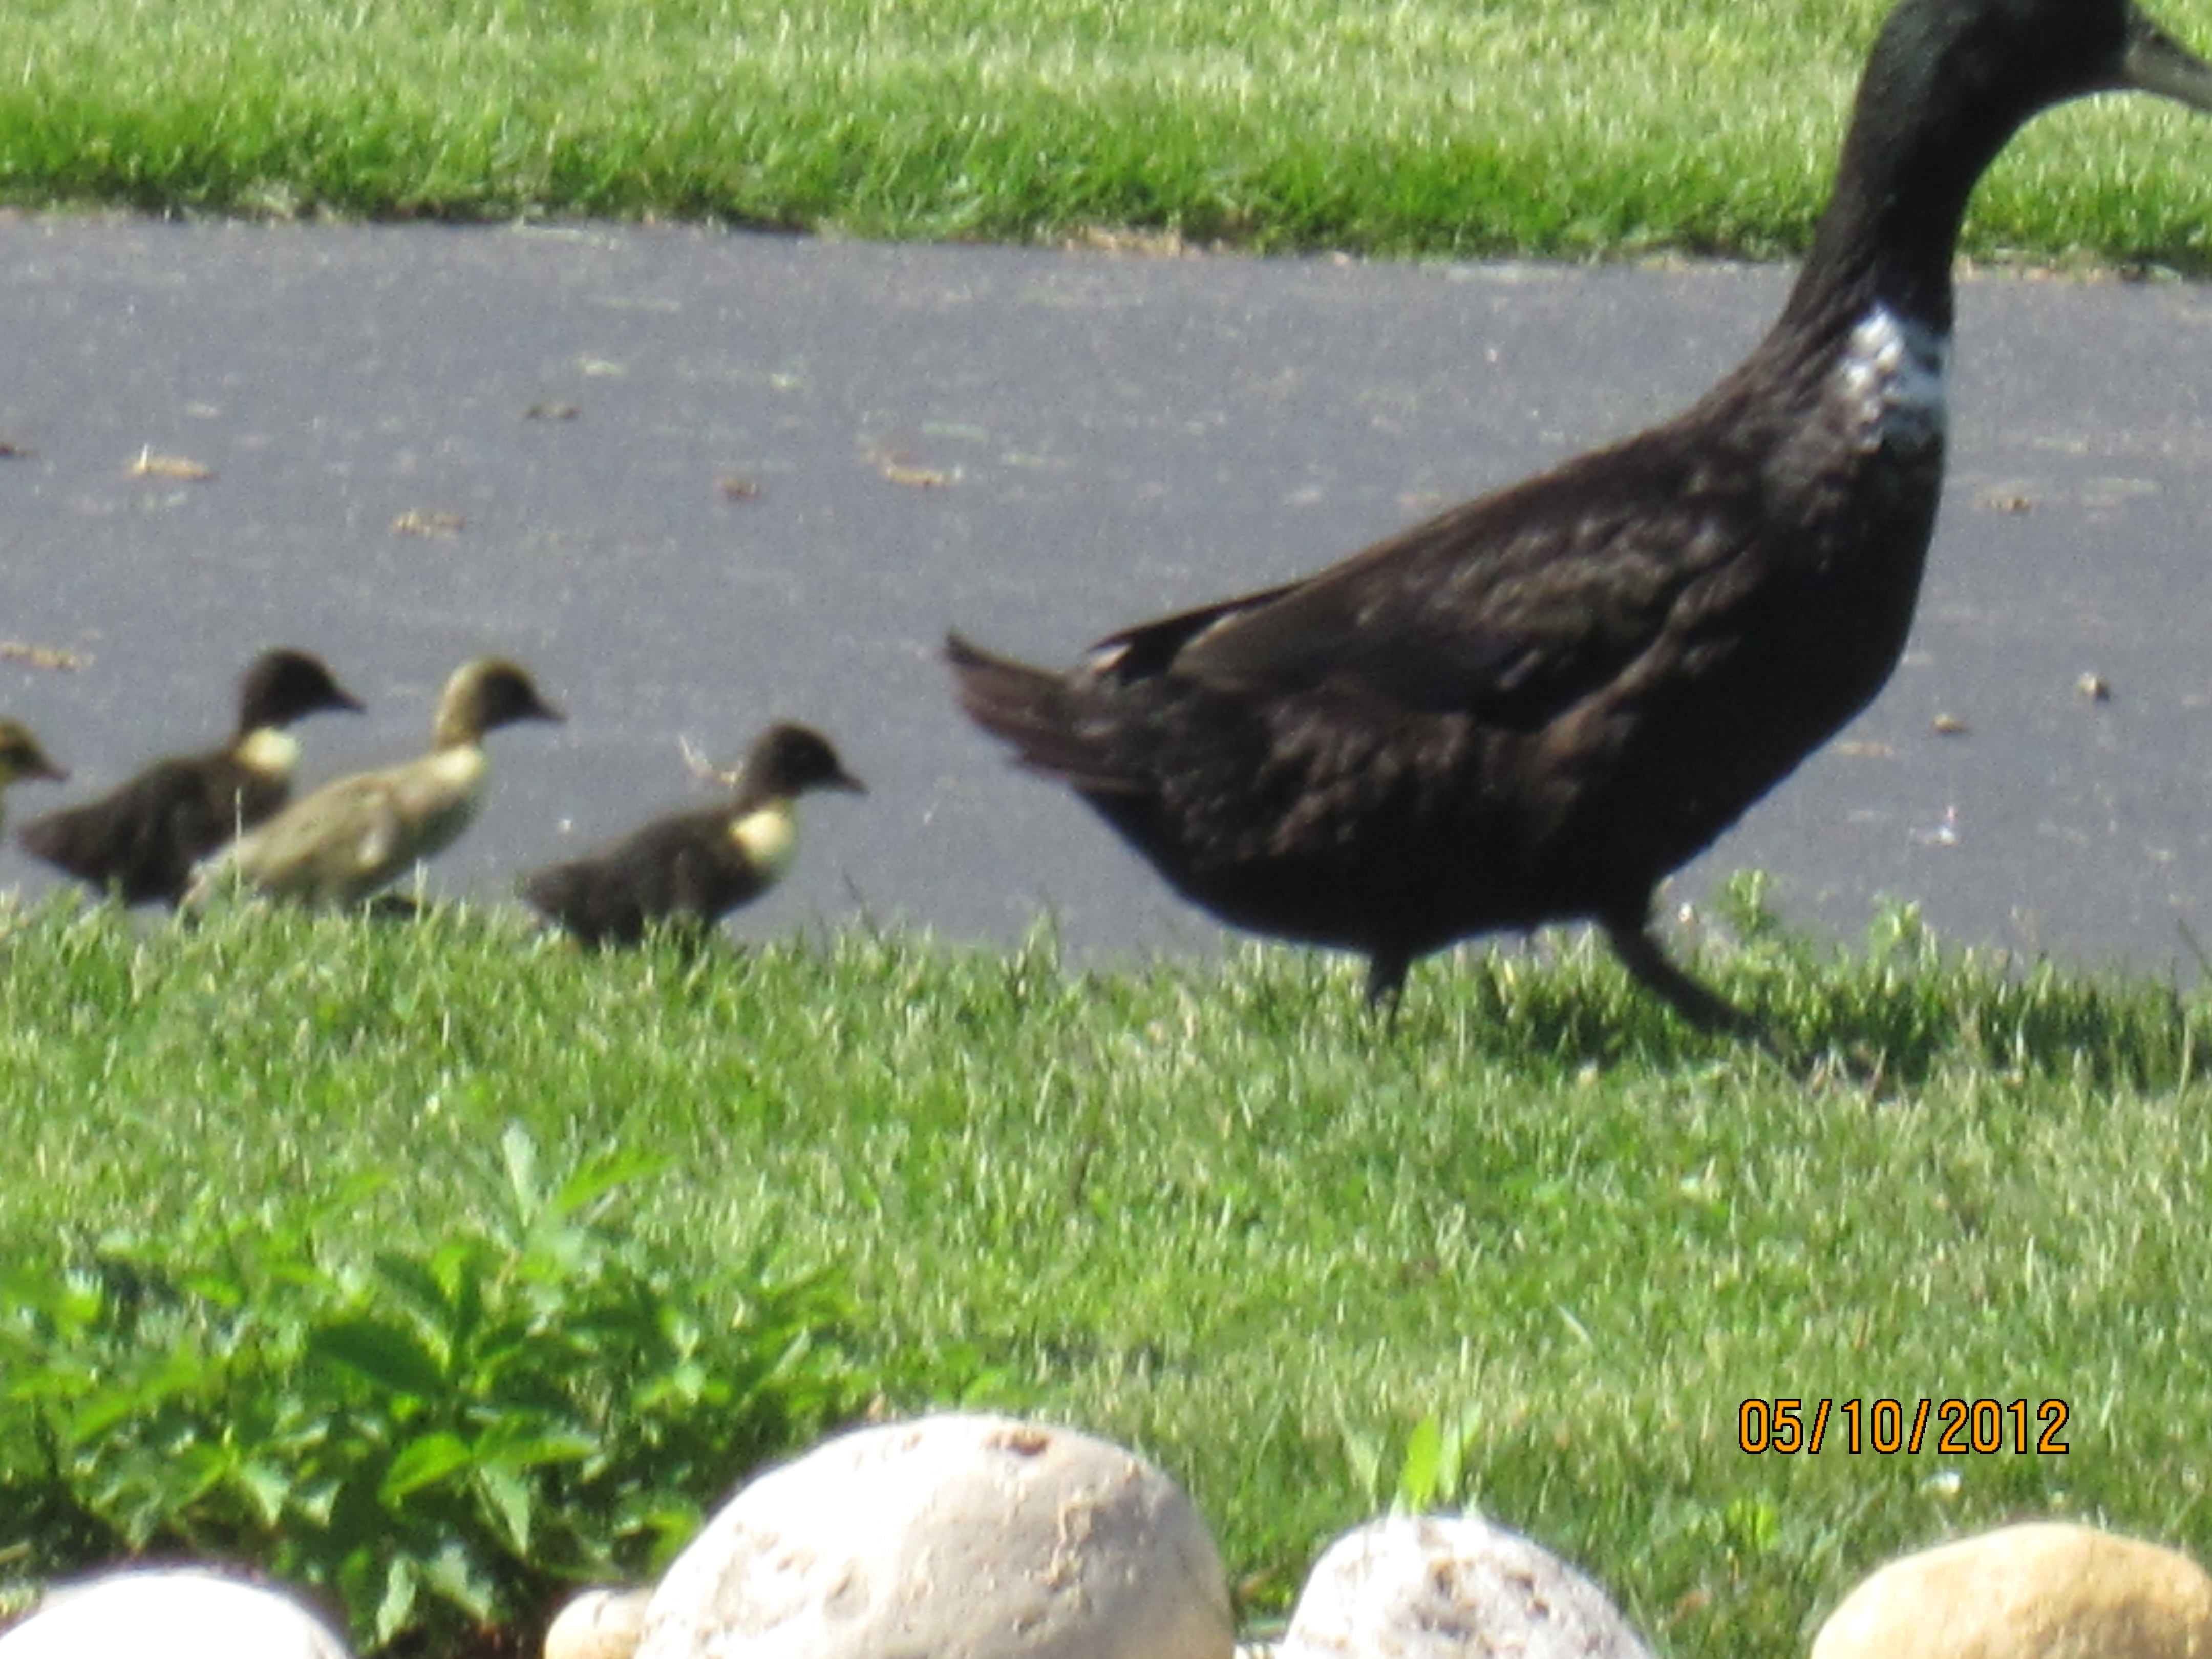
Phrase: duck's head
(489, 692)
(1948, 84)
(788, 761)
(1972, 72)
(282, 686)
(21, 757)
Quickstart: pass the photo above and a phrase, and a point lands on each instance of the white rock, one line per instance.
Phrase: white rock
(1452, 1587)
(2046, 1589)
(179, 1613)
(597, 1624)
(953, 1537)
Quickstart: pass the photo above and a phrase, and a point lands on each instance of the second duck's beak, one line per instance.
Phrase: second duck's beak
(844, 779)
(2154, 61)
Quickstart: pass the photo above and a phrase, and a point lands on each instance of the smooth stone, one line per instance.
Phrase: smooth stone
(170, 1613)
(604, 1623)
(2046, 1589)
(1452, 1587)
(958, 1536)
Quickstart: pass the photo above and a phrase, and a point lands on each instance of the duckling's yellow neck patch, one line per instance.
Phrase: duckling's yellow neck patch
(459, 769)
(269, 752)
(767, 837)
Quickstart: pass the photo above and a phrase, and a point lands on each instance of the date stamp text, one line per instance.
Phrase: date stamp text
(1951, 1428)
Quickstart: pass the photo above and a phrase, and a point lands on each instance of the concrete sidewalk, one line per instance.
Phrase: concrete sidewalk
(695, 481)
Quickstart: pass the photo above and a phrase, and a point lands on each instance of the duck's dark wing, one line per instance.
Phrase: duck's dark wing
(143, 838)
(676, 869)
(687, 864)
(589, 898)
(1510, 608)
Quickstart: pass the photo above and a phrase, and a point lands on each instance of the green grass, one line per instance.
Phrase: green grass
(1217, 1213)
(1529, 127)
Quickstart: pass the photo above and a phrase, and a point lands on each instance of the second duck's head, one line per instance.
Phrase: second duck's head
(282, 686)
(481, 694)
(21, 757)
(788, 761)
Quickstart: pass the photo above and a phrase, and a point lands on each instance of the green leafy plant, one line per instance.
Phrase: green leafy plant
(440, 1440)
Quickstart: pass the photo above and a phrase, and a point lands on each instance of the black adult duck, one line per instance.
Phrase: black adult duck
(141, 841)
(1534, 707)
(337, 846)
(20, 758)
(691, 869)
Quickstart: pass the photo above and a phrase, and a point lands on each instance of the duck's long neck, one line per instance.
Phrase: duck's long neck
(455, 728)
(1915, 149)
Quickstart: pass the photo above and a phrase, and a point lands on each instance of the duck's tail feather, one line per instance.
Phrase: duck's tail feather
(1033, 711)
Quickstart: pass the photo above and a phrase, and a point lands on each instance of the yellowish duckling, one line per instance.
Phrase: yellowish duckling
(336, 847)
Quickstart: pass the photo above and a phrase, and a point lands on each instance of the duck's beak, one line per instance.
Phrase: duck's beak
(844, 779)
(2154, 61)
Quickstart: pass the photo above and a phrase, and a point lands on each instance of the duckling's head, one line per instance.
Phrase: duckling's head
(282, 686)
(488, 692)
(21, 757)
(788, 761)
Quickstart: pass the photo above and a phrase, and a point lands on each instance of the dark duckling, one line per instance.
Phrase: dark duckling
(336, 847)
(20, 759)
(1536, 705)
(691, 869)
(141, 841)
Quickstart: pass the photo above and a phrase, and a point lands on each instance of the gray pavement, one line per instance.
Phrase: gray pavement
(764, 475)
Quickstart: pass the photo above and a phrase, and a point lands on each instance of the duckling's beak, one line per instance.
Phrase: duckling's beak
(540, 709)
(844, 779)
(2154, 61)
(40, 767)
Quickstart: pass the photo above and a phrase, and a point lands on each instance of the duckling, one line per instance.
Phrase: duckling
(20, 757)
(694, 868)
(336, 847)
(141, 841)
(1536, 705)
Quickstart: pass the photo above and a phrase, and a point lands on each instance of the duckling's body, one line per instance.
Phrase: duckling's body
(21, 759)
(339, 845)
(1536, 705)
(142, 840)
(691, 869)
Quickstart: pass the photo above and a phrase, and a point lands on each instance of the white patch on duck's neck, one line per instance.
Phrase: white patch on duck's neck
(767, 837)
(269, 751)
(1891, 382)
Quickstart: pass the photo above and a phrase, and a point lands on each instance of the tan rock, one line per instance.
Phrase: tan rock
(598, 1624)
(956, 1536)
(2044, 1591)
